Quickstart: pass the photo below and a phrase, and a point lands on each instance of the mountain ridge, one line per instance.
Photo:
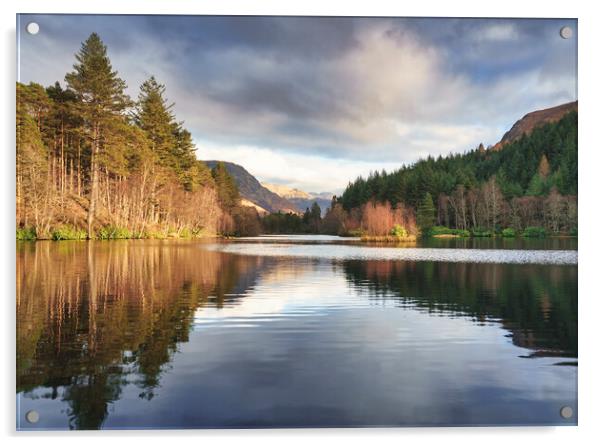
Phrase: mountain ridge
(301, 199)
(533, 119)
(252, 190)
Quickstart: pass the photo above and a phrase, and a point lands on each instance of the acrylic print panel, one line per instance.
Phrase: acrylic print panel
(261, 222)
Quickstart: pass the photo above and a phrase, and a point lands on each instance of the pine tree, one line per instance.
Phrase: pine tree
(32, 164)
(227, 190)
(102, 99)
(315, 217)
(153, 115)
(425, 216)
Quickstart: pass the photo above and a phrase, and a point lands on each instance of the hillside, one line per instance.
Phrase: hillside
(286, 192)
(251, 190)
(530, 121)
(302, 200)
(517, 168)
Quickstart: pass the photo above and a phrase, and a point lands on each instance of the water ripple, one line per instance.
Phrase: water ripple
(347, 252)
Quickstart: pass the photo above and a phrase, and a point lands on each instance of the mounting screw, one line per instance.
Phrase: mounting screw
(566, 32)
(32, 416)
(566, 412)
(32, 28)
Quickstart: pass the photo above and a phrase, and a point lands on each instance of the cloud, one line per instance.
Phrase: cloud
(346, 93)
(312, 173)
(498, 32)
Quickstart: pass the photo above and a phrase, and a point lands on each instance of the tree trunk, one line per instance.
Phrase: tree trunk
(94, 181)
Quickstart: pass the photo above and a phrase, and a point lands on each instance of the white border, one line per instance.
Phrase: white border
(590, 164)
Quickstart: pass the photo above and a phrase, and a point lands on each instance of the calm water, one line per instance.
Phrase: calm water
(295, 331)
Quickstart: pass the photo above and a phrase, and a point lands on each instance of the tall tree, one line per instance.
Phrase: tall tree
(32, 165)
(102, 99)
(425, 216)
(153, 115)
(227, 190)
(315, 217)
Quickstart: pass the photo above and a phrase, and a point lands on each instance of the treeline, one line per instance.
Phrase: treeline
(531, 182)
(372, 218)
(93, 163)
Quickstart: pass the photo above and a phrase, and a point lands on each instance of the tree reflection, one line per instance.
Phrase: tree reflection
(94, 316)
(538, 304)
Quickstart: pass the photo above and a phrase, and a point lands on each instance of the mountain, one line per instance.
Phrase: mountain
(253, 193)
(286, 192)
(302, 200)
(535, 119)
(540, 164)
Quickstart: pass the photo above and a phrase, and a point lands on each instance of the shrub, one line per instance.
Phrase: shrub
(534, 232)
(481, 233)
(508, 233)
(113, 232)
(68, 233)
(185, 233)
(573, 231)
(442, 230)
(399, 231)
(26, 234)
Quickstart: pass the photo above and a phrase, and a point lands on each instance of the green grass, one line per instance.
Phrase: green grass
(442, 230)
(26, 234)
(481, 233)
(508, 233)
(67, 233)
(113, 232)
(534, 232)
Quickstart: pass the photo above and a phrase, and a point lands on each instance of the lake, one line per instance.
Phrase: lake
(296, 331)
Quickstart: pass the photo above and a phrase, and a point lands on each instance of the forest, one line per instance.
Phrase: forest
(93, 163)
(529, 186)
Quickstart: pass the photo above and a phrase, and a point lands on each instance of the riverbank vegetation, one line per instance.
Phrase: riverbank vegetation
(527, 189)
(93, 163)
(529, 183)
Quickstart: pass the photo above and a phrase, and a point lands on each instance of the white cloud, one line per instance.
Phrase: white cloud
(306, 172)
(315, 120)
(497, 32)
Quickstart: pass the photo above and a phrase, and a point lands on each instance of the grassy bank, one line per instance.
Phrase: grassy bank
(388, 239)
(67, 232)
(446, 232)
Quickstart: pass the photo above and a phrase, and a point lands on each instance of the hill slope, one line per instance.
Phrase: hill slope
(530, 121)
(516, 168)
(302, 200)
(251, 189)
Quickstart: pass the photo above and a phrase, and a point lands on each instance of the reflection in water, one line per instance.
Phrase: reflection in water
(171, 334)
(91, 314)
(537, 304)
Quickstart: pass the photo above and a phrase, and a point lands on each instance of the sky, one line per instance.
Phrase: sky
(314, 102)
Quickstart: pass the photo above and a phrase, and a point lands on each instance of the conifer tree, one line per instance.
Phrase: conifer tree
(227, 190)
(102, 99)
(153, 115)
(425, 216)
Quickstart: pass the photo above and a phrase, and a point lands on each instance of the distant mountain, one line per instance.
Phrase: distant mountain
(253, 193)
(302, 200)
(535, 119)
(303, 204)
(286, 192)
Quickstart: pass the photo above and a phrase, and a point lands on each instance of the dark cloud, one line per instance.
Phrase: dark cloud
(354, 88)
